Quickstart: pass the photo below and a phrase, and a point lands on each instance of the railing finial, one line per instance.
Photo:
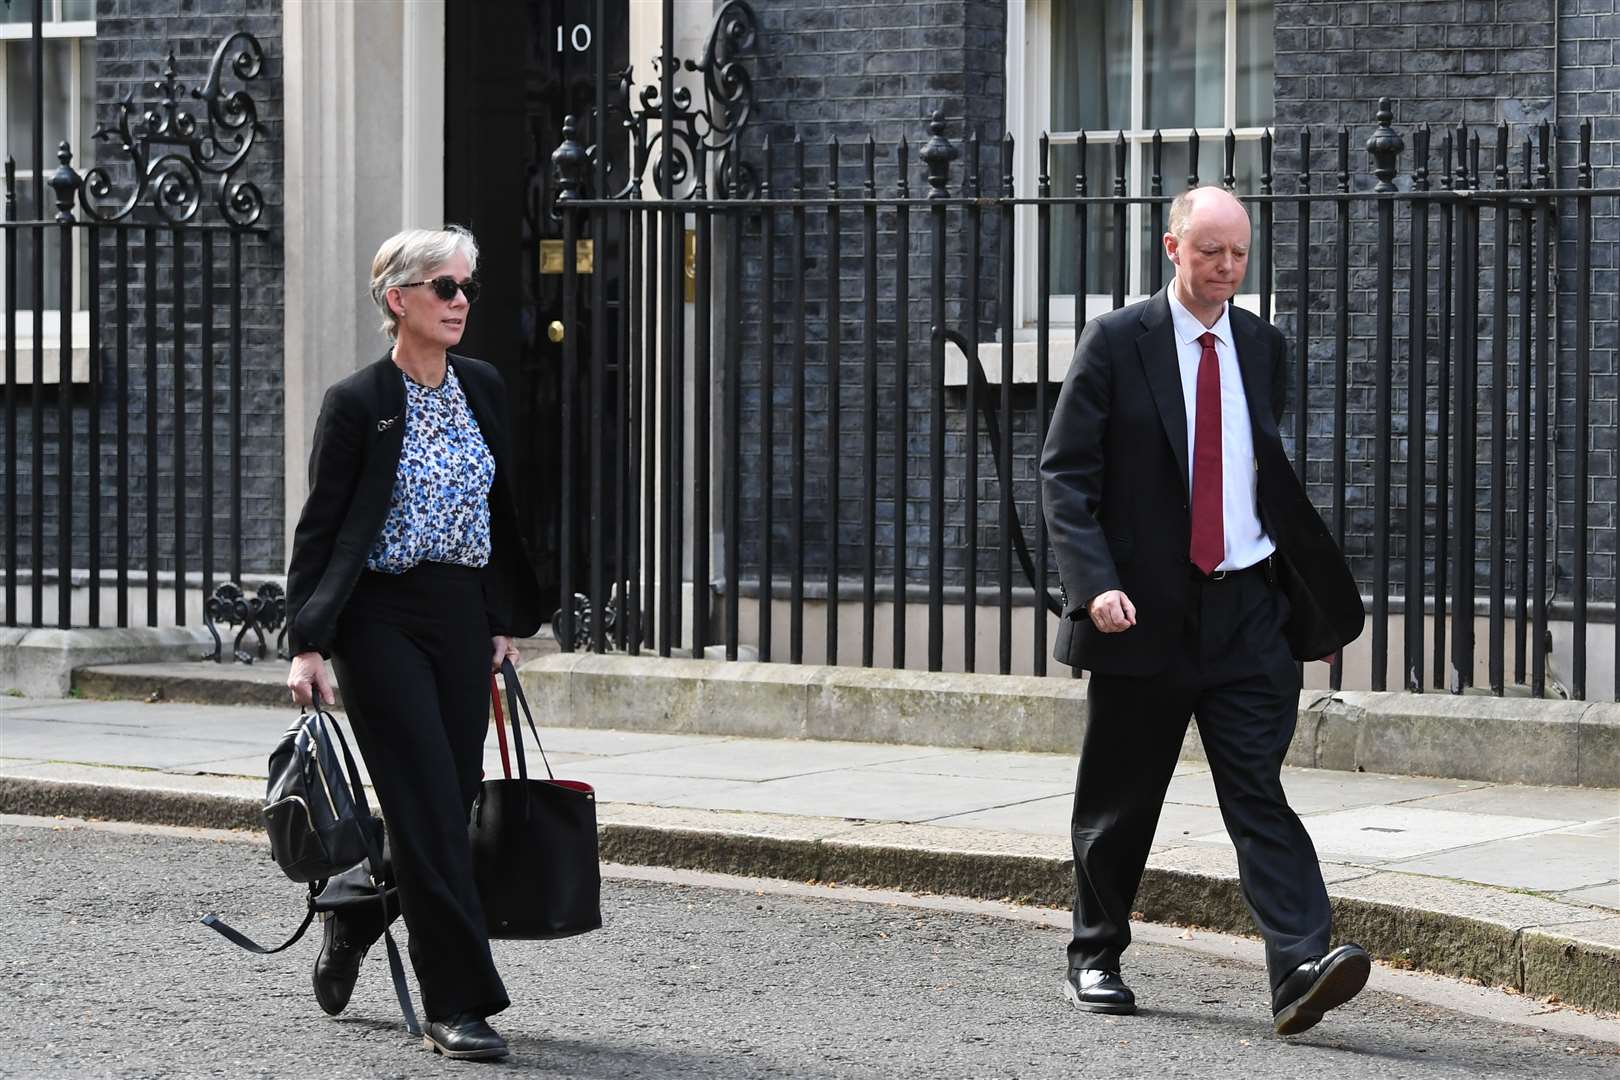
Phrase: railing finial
(570, 160)
(938, 155)
(65, 182)
(1385, 147)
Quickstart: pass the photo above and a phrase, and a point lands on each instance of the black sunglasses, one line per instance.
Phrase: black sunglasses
(445, 286)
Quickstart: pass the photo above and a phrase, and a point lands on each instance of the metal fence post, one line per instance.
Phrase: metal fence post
(937, 156)
(1385, 147)
(570, 160)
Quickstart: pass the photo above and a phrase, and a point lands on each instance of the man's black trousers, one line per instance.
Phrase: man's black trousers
(412, 658)
(1233, 671)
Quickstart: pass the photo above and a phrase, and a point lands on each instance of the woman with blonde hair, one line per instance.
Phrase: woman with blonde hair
(408, 572)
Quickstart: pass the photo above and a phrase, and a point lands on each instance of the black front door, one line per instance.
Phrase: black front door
(513, 72)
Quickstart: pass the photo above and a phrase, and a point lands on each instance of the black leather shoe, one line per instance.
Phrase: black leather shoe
(1317, 986)
(337, 965)
(464, 1036)
(1095, 990)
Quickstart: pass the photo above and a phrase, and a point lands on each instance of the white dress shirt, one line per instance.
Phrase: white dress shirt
(1246, 539)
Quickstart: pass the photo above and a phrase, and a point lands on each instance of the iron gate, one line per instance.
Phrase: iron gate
(132, 481)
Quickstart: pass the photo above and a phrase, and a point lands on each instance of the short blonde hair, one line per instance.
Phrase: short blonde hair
(408, 256)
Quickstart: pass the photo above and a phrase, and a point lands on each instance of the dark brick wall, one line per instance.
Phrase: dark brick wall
(133, 37)
(848, 71)
(1444, 62)
(1589, 86)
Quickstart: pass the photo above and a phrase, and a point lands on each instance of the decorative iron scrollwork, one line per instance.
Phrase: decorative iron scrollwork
(174, 154)
(712, 131)
(584, 619)
(264, 613)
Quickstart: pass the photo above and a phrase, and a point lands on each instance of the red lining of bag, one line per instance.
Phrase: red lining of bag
(573, 785)
(500, 726)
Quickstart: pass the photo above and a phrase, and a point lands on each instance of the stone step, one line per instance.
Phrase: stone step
(1466, 737)
(201, 682)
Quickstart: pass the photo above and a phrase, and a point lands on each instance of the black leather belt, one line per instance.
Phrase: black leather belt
(1264, 568)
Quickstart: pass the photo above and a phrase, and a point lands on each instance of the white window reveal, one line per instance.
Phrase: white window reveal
(69, 32)
(1100, 69)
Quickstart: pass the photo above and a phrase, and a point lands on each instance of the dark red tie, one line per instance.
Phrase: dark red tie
(1208, 523)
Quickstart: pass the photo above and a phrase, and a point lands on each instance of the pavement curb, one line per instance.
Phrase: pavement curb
(1541, 961)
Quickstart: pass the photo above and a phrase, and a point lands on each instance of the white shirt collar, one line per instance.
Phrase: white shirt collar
(1187, 326)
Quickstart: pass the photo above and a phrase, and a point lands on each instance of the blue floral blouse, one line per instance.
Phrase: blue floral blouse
(440, 507)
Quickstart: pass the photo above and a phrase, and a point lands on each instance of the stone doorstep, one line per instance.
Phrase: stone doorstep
(1464, 737)
(1501, 938)
(203, 683)
(261, 684)
(40, 661)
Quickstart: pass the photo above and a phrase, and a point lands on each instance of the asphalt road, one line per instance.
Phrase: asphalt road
(105, 971)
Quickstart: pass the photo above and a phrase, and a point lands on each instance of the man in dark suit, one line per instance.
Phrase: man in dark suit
(1194, 574)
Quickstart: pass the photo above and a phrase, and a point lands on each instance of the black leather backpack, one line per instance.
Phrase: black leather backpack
(322, 830)
(319, 821)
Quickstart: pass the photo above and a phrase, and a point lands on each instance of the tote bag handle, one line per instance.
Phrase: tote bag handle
(500, 727)
(514, 699)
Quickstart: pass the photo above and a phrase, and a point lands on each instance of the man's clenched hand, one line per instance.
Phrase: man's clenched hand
(1112, 612)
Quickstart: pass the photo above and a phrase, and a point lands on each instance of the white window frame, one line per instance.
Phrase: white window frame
(1029, 113)
(79, 127)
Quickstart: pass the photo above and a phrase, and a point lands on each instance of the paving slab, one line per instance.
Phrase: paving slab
(1317, 790)
(1051, 817)
(1375, 834)
(1210, 860)
(757, 759)
(1608, 829)
(205, 721)
(732, 822)
(857, 794)
(1607, 896)
(605, 743)
(1546, 862)
(686, 791)
(1007, 765)
(1048, 816)
(96, 744)
(1569, 804)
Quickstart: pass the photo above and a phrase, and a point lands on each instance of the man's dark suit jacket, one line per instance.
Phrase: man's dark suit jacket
(1114, 483)
(351, 483)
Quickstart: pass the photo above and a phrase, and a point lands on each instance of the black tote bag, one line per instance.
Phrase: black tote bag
(534, 844)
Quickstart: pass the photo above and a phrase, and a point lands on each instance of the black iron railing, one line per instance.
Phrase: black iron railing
(158, 416)
(1463, 283)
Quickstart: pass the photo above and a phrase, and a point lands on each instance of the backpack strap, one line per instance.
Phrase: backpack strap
(236, 937)
(372, 828)
(396, 969)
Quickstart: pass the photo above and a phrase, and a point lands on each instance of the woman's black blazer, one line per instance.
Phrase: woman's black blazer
(351, 483)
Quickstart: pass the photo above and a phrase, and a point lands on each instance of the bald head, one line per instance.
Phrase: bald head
(1208, 242)
(1211, 203)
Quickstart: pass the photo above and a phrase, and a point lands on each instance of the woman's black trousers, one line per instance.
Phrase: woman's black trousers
(412, 658)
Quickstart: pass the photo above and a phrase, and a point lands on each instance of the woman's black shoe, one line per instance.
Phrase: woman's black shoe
(465, 1036)
(337, 965)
